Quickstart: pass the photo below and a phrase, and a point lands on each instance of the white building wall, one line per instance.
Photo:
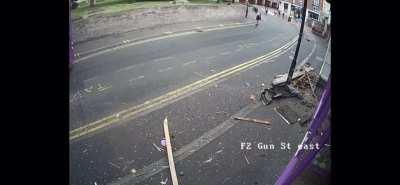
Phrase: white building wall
(281, 8)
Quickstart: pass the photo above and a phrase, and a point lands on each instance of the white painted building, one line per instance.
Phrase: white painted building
(293, 8)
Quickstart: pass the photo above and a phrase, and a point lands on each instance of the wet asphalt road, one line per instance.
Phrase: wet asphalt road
(111, 155)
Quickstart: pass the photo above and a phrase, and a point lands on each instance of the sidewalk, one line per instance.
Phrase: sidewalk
(95, 45)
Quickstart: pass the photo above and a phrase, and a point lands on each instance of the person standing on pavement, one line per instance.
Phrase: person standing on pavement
(258, 18)
(247, 9)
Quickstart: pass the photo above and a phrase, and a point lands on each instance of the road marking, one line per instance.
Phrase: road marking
(272, 39)
(227, 27)
(88, 90)
(190, 62)
(78, 95)
(185, 151)
(127, 68)
(221, 25)
(151, 40)
(101, 88)
(225, 53)
(210, 57)
(137, 78)
(163, 70)
(319, 58)
(168, 32)
(91, 79)
(309, 55)
(171, 97)
(198, 74)
(161, 59)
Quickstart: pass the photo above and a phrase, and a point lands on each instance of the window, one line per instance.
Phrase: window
(315, 5)
(285, 6)
(313, 15)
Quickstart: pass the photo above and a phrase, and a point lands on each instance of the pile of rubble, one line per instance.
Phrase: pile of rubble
(306, 81)
(303, 85)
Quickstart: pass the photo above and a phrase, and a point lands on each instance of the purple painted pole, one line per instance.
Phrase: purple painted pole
(71, 52)
(317, 133)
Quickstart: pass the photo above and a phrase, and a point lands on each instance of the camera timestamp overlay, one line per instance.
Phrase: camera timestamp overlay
(278, 146)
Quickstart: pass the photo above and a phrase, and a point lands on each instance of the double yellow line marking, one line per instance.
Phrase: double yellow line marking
(171, 96)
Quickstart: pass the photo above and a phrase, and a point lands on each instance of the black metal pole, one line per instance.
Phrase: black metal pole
(247, 8)
(293, 65)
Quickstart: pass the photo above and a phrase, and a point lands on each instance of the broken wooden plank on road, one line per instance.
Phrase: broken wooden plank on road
(252, 120)
(169, 153)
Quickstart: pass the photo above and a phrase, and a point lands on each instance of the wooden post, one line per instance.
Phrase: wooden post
(169, 153)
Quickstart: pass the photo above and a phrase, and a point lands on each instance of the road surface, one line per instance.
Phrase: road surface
(115, 81)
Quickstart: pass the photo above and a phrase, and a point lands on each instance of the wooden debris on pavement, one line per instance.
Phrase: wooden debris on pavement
(169, 153)
(252, 120)
(280, 79)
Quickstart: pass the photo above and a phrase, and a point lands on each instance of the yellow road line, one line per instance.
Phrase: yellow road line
(173, 95)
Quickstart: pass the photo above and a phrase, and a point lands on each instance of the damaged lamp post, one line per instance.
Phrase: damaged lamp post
(293, 65)
(287, 90)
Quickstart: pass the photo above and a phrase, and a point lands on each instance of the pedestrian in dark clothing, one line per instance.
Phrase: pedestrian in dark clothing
(247, 9)
(266, 10)
(258, 18)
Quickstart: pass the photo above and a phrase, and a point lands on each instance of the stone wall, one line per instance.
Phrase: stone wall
(102, 25)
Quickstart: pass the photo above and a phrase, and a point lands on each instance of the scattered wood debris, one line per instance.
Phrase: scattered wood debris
(169, 153)
(281, 79)
(112, 164)
(246, 159)
(252, 120)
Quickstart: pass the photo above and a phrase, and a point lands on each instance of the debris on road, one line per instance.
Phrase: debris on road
(252, 120)
(306, 82)
(169, 153)
(281, 79)
(253, 98)
(112, 164)
(208, 160)
(158, 148)
(246, 159)
(124, 168)
(163, 142)
(164, 182)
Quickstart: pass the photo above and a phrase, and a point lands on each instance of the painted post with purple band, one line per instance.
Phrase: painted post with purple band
(71, 53)
(316, 134)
